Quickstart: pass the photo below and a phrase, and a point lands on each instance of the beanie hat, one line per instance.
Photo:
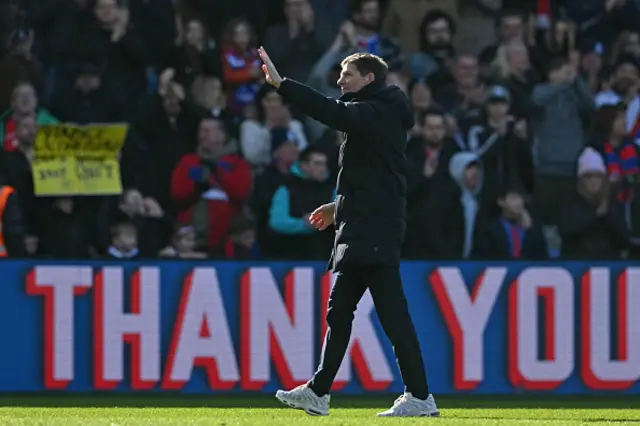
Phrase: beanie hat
(591, 161)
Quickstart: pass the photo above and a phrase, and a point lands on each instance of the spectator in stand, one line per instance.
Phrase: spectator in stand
(461, 209)
(506, 157)
(183, 244)
(298, 43)
(88, 100)
(465, 94)
(24, 102)
(591, 64)
(514, 70)
(210, 186)
(153, 225)
(620, 153)
(165, 130)
(513, 234)
(306, 189)
(109, 38)
(428, 157)
(363, 30)
(436, 35)
(591, 222)
(405, 18)
(16, 167)
(256, 137)
(241, 65)
(68, 232)
(12, 234)
(559, 136)
(124, 242)
(421, 99)
(241, 243)
(512, 26)
(208, 94)
(624, 88)
(284, 153)
(197, 54)
(18, 64)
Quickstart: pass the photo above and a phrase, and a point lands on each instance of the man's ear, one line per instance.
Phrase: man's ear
(370, 77)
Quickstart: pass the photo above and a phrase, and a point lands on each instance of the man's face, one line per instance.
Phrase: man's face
(106, 11)
(351, 81)
(438, 34)
(293, 9)
(24, 99)
(511, 27)
(369, 15)
(593, 182)
(315, 167)
(512, 204)
(497, 108)
(171, 105)
(26, 130)
(241, 36)
(434, 129)
(471, 175)
(420, 95)
(211, 136)
(195, 32)
(467, 71)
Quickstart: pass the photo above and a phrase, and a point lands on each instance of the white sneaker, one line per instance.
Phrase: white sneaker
(303, 398)
(409, 406)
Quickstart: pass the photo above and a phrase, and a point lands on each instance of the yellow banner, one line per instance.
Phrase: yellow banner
(78, 160)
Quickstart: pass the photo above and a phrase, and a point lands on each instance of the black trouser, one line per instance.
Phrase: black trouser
(385, 286)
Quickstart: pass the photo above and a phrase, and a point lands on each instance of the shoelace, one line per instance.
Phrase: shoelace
(401, 399)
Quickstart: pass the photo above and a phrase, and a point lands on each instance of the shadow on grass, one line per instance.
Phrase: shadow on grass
(168, 400)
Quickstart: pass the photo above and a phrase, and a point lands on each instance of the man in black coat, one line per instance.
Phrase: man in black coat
(369, 218)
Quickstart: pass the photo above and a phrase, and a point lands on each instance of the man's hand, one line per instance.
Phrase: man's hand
(270, 71)
(322, 217)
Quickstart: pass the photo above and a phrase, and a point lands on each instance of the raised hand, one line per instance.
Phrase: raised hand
(270, 71)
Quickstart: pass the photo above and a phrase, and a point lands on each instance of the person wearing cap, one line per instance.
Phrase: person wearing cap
(591, 221)
(491, 136)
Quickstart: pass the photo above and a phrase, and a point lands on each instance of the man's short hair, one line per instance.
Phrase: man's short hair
(432, 111)
(308, 152)
(367, 63)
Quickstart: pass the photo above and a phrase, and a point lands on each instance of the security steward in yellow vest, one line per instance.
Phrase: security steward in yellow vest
(12, 231)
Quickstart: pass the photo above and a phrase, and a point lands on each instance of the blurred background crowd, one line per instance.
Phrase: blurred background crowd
(525, 145)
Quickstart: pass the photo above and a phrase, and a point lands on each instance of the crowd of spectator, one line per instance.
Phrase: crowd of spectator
(525, 145)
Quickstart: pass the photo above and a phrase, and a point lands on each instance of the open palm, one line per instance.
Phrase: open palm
(270, 71)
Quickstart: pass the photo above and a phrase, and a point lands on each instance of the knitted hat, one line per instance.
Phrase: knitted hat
(591, 161)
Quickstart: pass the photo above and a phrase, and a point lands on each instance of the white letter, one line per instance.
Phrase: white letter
(140, 328)
(282, 329)
(201, 308)
(526, 369)
(599, 371)
(466, 316)
(58, 285)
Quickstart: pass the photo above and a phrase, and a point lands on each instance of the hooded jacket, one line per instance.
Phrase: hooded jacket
(370, 215)
(468, 197)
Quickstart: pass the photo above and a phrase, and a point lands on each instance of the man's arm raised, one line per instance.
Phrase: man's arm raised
(342, 116)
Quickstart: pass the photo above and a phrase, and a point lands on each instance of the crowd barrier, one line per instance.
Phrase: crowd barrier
(203, 327)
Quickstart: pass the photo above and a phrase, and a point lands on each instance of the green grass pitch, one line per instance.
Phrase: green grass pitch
(174, 410)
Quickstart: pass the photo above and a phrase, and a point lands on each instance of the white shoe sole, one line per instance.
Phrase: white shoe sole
(435, 414)
(298, 406)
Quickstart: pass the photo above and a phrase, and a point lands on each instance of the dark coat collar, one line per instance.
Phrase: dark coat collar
(365, 92)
